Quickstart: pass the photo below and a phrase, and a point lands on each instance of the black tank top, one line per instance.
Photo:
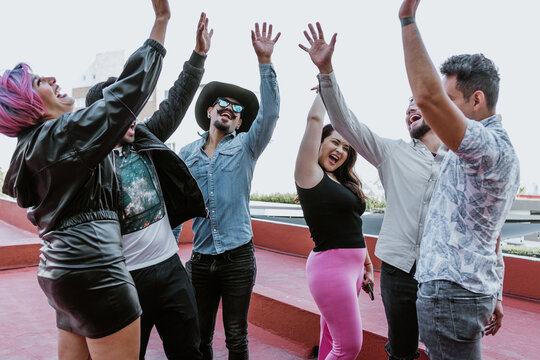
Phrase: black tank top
(332, 212)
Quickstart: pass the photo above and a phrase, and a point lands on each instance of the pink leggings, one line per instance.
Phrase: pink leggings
(335, 279)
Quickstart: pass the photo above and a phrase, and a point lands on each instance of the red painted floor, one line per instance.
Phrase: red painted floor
(285, 276)
(27, 324)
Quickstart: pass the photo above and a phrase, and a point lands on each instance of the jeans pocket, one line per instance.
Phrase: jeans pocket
(388, 269)
(427, 291)
(244, 257)
(466, 318)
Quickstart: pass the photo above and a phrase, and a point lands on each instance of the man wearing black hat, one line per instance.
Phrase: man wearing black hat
(222, 264)
(157, 192)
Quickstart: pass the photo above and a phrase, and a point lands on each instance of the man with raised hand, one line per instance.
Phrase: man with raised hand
(456, 272)
(157, 192)
(222, 161)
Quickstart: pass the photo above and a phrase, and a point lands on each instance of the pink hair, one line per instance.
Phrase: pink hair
(20, 104)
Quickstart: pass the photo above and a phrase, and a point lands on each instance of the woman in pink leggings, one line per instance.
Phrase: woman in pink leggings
(332, 200)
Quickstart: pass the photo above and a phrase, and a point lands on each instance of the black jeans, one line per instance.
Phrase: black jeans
(229, 276)
(168, 301)
(398, 292)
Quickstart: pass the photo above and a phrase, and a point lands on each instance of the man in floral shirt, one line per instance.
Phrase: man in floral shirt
(479, 179)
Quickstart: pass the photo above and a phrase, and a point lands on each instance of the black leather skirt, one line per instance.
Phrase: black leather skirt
(83, 274)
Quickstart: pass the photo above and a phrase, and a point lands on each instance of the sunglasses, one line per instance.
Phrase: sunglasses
(237, 108)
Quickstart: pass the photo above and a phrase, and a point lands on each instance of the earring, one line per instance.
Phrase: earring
(238, 127)
(209, 115)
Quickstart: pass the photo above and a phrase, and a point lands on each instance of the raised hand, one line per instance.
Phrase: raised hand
(408, 8)
(204, 36)
(161, 9)
(263, 44)
(163, 14)
(319, 51)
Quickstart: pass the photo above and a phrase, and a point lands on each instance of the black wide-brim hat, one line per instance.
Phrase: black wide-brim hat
(215, 89)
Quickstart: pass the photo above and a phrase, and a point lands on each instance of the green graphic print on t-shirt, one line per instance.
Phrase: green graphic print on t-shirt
(142, 200)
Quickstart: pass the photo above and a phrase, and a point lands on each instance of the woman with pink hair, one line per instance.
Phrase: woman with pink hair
(62, 174)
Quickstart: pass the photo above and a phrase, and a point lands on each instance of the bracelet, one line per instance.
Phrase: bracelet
(406, 21)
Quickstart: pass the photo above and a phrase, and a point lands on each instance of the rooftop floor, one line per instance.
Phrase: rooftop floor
(28, 330)
(283, 314)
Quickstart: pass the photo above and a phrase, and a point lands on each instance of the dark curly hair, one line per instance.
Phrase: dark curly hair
(345, 173)
(474, 72)
(96, 92)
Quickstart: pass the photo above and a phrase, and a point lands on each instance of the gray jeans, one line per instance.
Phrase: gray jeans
(451, 320)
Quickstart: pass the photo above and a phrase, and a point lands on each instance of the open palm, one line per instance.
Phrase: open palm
(319, 51)
(204, 37)
(263, 44)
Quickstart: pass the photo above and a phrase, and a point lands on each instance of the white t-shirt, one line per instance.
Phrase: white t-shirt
(147, 237)
(149, 246)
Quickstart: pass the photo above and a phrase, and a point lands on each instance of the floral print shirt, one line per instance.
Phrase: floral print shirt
(472, 197)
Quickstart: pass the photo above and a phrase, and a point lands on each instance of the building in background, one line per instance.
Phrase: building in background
(105, 65)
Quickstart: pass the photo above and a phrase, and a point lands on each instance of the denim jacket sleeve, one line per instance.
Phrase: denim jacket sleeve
(164, 122)
(261, 130)
(369, 145)
(94, 131)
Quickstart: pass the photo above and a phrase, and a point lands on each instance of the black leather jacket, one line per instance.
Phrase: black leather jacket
(182, 195)
(58, 169)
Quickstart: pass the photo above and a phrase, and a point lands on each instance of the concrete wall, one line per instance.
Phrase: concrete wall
(521, 277)
(521, 274)
(11, 213)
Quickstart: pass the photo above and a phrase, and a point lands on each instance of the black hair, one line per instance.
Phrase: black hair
(474, 72)
(345, 173)
(95, 93)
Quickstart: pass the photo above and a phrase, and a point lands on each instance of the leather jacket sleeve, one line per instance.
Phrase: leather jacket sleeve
(94, 131)
(53, 160)
(164, 122)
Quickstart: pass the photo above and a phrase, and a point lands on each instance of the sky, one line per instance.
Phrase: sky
(61, 38)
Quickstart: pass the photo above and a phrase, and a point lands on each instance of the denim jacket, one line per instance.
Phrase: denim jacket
(225, 179)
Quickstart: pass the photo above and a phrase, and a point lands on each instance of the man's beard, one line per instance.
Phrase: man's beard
(419, 131)
(222, 127)
(125, 140)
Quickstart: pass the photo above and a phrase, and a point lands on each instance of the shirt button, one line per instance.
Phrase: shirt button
(215, 230)
(210, 174)
(211, 193)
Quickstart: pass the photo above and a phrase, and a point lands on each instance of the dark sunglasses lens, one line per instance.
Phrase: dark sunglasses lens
(237, 108)
(223, 102)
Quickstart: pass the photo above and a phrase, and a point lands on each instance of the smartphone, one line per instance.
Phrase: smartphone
(369, 290)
